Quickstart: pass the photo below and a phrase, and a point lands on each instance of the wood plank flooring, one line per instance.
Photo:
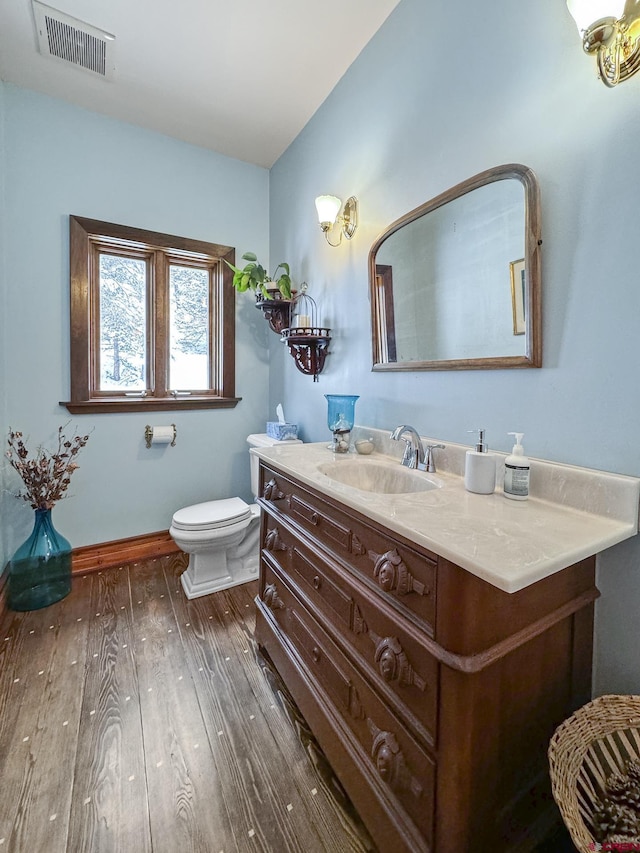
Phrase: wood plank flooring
(134, 720)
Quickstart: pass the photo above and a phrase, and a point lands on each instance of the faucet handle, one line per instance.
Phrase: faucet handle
(429, 464)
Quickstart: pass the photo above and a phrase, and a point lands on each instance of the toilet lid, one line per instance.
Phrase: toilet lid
(212, 514)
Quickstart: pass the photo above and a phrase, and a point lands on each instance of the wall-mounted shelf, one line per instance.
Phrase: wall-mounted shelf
(277, 311)
(295, 321)
(309, 347)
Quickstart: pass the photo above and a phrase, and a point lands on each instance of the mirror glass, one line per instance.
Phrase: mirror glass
(455, 283)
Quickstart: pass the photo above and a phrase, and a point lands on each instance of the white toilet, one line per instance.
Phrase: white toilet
(221, 537)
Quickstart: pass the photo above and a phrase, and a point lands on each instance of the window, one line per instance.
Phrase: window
(152, 320)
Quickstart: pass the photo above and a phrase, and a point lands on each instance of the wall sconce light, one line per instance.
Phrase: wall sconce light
(611, 30)
(328, 207)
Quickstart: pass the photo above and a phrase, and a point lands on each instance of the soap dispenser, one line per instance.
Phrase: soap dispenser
(516, 471)
(480, 468)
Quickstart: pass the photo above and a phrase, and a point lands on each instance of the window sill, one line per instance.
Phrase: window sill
(148, 404)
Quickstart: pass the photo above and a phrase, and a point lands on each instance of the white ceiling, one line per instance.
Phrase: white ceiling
(241, 77)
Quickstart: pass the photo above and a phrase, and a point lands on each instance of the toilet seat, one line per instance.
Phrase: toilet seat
(212, 515)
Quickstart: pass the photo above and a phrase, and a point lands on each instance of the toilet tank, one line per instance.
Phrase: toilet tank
(261, 439)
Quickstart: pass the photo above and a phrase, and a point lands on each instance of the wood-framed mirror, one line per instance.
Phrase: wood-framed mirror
(455, 283)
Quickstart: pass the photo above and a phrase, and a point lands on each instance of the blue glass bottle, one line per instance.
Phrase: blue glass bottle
(40, 570)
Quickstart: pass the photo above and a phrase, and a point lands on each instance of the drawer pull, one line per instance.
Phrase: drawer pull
(272, 492)
(316, 654)
(393, 663)
(273, 542)
(390, 762)
(271, 598)
(317, 582)
(393, 576)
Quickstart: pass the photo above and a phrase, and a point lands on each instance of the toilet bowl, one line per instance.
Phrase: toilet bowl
(221, 537)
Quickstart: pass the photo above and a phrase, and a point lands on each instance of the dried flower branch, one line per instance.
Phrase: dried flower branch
(47, 475)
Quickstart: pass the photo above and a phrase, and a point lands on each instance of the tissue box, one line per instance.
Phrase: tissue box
(281, 431)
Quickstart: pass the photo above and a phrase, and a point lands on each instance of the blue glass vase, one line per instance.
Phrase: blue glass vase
(40, 570)
(340, 419)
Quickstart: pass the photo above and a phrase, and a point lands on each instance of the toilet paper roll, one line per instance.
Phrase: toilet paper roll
(161, 435)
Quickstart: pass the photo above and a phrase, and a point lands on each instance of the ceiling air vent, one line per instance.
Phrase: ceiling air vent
(71, 40)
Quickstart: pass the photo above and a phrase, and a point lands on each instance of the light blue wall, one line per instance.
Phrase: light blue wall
(3, 315)
(60, 160)
(426, 105)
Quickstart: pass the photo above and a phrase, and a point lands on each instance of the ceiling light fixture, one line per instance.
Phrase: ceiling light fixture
(611, 30)
(328, 207)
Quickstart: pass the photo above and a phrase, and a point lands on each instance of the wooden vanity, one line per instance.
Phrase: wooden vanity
(432, 692)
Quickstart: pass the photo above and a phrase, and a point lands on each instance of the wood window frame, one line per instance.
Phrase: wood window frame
(384, 339)
(86, 238)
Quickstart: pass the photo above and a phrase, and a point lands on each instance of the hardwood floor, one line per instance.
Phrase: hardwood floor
(134, 720)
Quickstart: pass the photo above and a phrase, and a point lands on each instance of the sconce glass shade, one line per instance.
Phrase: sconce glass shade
(328, 207)
(587, 12)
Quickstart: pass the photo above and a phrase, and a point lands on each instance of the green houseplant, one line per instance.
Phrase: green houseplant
(253, 276)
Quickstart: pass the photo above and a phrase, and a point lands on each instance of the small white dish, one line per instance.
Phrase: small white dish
(365, 446)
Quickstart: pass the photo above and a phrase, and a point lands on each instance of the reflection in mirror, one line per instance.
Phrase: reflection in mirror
(455, 283)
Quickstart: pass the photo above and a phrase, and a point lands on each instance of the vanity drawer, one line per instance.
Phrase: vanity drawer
(383, 644)
(403, 770)
(402, 574)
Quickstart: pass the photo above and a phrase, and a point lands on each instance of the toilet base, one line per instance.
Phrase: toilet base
(230, 559)
(195, 588)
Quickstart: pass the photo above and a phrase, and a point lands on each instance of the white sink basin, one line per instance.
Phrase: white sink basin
(384, 478)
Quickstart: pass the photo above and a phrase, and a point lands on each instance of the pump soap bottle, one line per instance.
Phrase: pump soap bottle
(480, 468)
(516, 471)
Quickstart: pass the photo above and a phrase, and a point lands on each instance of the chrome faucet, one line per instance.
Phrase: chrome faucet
(415, 455)
(414, 451)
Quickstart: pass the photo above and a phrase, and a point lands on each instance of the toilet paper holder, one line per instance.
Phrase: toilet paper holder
(162, 435)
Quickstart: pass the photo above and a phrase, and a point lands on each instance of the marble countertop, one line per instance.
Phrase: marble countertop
(510, 544)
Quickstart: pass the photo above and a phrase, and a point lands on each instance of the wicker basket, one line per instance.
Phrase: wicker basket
(584, 752)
